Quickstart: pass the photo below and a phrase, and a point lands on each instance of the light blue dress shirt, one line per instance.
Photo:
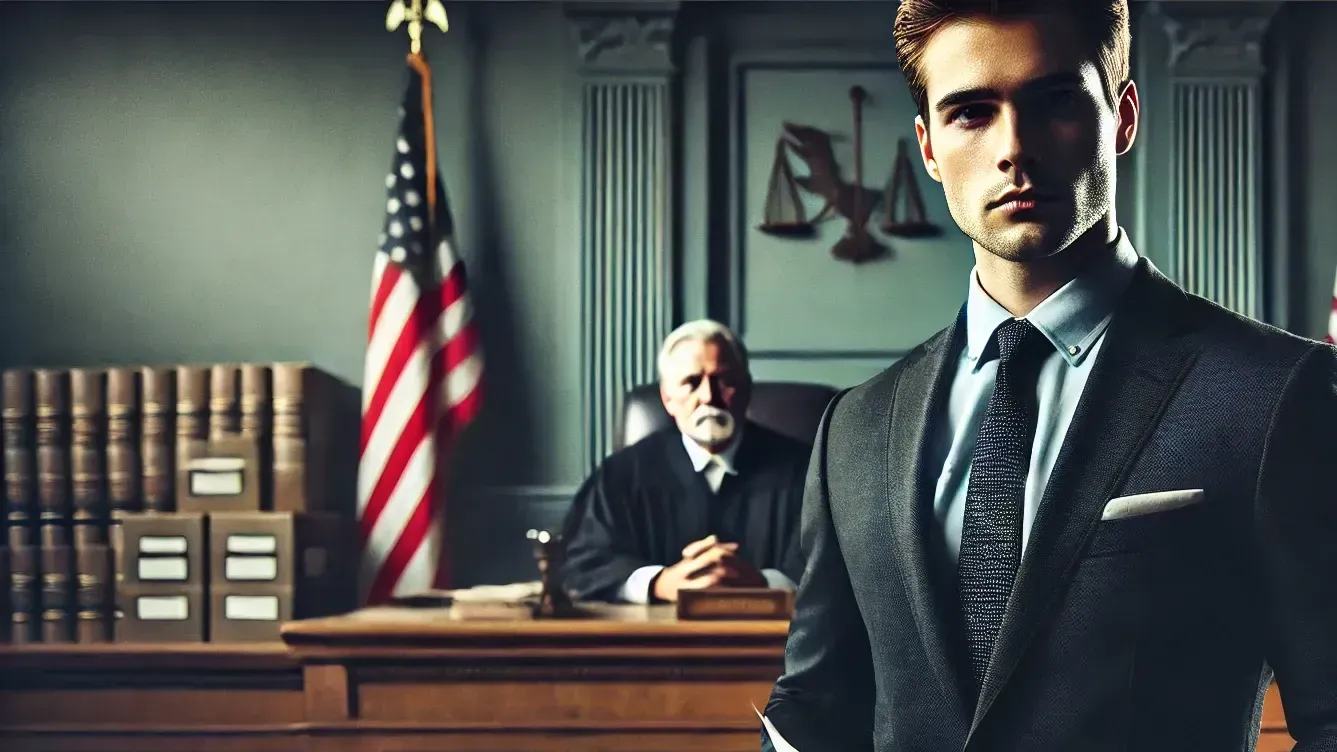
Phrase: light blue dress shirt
(637, 587)
(1074, 319)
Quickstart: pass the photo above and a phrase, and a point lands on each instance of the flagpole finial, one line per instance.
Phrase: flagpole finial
(415, 13)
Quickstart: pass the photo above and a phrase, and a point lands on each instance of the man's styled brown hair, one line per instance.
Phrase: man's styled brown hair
(1104, 23)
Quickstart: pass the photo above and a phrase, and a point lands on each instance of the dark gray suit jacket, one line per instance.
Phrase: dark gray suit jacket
(1158, 632)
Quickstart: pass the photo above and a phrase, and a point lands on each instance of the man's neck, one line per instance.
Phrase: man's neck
(1019, 286)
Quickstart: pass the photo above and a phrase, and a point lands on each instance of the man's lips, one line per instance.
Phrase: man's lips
(1020, 202)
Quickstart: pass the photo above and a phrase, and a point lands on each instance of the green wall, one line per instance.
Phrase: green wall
(203, 182)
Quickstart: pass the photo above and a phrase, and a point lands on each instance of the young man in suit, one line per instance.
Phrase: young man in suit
(1093, 513)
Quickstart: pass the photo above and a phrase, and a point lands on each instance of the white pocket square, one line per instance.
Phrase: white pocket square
(1147, 503)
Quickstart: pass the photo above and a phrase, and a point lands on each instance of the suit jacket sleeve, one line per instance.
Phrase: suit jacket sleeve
(824, 699)
(1296, 545)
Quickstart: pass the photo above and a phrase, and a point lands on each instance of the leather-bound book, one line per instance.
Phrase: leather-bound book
(95, 593)
(19, 417)
(192, 421)
(88, 415)
(53, 454)
(158, 429)
(256, 419)
(123, 470)
(24, 596)
(57, 594)
(306, 437)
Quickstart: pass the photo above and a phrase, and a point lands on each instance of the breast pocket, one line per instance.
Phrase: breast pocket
(1175, 527)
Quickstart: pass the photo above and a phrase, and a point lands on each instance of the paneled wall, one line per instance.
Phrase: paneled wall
(186, 182)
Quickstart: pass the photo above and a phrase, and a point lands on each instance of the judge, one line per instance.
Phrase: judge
(713, 501)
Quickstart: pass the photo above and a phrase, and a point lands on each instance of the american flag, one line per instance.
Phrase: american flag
(423, 374)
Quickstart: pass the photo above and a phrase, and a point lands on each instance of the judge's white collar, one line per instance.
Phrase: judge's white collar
(701, 457)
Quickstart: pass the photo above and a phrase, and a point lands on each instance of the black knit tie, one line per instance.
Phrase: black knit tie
(991, 532)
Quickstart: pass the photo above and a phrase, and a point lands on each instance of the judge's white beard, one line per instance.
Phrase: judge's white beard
(710, 426)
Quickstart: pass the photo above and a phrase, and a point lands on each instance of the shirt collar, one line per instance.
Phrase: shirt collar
(1072, 318)
(700, 456)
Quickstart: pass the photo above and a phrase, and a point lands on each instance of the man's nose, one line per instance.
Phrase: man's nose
(708, 391)
(1015, 141)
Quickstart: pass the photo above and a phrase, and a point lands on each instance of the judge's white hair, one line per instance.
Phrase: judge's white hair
(701, 330)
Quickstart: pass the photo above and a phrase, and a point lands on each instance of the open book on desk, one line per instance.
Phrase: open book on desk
(777, 741)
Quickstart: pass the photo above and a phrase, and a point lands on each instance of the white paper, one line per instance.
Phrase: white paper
(511, 593)
(777, 741)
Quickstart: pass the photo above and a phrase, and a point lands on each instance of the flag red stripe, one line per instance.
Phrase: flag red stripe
(410, 539)
(462, 414)
(419, 324)
(460, 347)
(453, 286)
(386, 285)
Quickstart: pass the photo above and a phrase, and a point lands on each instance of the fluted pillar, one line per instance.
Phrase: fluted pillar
(626, 221)
(1216, 176)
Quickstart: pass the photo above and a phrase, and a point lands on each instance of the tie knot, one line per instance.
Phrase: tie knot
(1018, 337)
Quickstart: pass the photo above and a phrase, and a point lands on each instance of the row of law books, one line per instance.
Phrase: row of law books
(86, 447)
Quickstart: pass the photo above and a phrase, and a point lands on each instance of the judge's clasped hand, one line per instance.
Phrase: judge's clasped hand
(706, 563)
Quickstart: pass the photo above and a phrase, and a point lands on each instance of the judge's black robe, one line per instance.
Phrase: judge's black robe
(646, 502)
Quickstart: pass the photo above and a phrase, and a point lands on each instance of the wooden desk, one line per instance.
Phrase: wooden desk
(390, 680)
(395, 681)
(150, 698)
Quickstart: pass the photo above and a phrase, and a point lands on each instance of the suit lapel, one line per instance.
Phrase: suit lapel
(1139, 367)
(915, 409)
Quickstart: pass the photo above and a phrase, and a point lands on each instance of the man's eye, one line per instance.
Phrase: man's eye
(1062, 98)
(969, 114)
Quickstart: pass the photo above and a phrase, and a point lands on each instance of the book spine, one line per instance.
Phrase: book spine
(94, 599)
(57, 590)
(256, 417)
(88, 415)
(53, 457)
(158, 412)
(123, 469)
(224, 415)
(19, 418)
(192, 422)
(289, 439)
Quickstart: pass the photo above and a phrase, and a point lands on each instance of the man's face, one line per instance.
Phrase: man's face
(1016, 108)
(705, 389)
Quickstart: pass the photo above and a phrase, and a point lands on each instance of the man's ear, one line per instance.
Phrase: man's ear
(1127, 112)
(926, 149)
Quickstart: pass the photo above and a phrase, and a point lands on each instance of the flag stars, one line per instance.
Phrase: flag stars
(380, 240)
(396, 229)
(392, 206)
(411, 197)
(415, 223)
(402, 145)
(406, 171)
(397, 254)
(390, 180)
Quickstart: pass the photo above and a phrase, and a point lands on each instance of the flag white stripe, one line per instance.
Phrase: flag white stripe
(395, 314)
(404, 397)
(421, 569)
(454, 318)
(461, 380)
